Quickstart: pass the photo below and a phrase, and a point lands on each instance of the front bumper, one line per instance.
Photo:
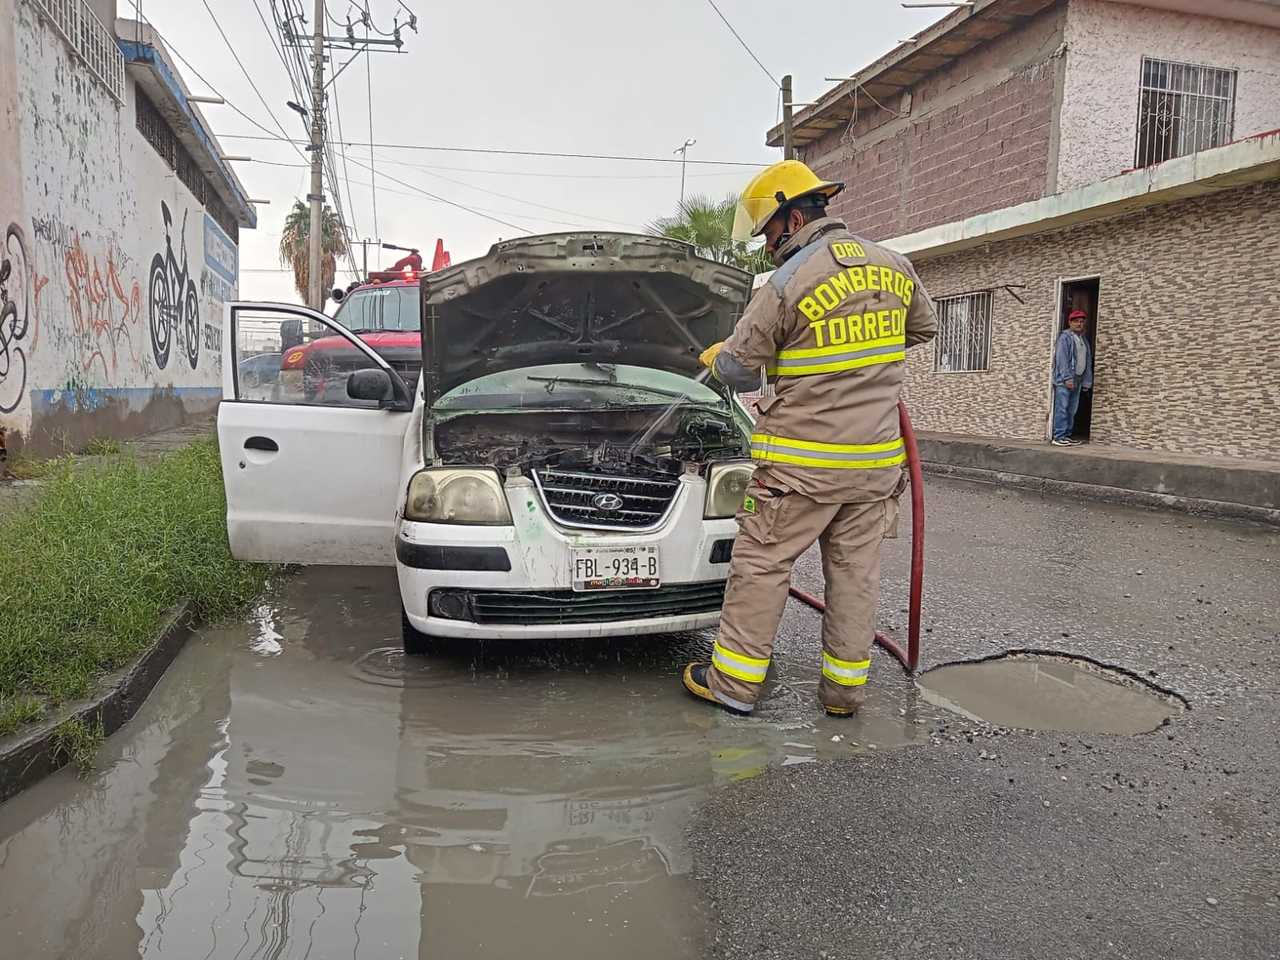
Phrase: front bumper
(539, 555)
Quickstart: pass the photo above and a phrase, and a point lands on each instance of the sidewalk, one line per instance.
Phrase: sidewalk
(14, 492)
(1214, 486)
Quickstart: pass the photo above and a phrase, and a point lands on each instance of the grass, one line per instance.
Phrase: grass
(102, 447)
(23, 468)
(77, 742)
(90, 567)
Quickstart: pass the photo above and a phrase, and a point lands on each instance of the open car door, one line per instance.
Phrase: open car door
(310, 431)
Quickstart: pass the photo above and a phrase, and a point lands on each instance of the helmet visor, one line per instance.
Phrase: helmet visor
(751, 215)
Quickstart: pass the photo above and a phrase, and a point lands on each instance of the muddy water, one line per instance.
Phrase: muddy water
(1048, 693)
(294, 787)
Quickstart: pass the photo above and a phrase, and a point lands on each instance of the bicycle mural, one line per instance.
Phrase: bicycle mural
(15, 315)
(173, 304)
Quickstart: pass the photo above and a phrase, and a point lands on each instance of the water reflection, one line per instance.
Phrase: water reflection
(336, 799)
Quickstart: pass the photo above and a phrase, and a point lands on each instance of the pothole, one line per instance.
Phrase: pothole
(1038, 691)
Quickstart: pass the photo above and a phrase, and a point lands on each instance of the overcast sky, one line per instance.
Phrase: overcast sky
(575, 76)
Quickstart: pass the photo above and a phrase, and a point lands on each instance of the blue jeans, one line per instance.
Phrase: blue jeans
(1065, 404)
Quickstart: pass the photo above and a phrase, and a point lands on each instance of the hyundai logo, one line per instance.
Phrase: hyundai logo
(607, 501)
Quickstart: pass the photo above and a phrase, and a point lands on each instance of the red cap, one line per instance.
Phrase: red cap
(1077, 315)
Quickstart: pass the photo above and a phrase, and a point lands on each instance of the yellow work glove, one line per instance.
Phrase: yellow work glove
(708, 356)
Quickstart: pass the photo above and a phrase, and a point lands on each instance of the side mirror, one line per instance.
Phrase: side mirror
(370, 384)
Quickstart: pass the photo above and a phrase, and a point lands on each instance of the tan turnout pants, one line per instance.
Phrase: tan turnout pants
(769, 540)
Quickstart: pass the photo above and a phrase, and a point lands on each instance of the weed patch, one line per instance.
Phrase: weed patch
(77, 742)
(91, 566)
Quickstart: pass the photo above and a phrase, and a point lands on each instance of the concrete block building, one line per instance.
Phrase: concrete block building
(1034, 156)
(120, 224)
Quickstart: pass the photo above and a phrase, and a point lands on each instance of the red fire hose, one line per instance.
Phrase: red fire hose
(910, 659)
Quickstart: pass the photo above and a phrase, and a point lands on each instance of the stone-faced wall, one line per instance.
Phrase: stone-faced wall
(1187, 354)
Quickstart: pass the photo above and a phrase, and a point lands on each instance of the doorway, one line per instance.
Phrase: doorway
(1080, 293)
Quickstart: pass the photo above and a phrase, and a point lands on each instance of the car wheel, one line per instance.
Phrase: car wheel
(416, 643)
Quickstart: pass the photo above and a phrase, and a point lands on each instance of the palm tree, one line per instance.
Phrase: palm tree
(294, 242)
(707, 225)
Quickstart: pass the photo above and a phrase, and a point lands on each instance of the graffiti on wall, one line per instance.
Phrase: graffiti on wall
(105, 307)
(15, 317)
(174, 307)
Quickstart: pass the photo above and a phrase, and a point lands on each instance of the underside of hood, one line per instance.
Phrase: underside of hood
(576, 298)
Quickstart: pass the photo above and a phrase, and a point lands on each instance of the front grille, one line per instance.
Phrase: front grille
(571, 497)
(568, 606)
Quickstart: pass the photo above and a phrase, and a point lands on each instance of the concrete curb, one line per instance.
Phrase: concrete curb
(31, 754)
(1218, 509)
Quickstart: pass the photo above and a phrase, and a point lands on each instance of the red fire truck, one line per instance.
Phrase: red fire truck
(385, 312)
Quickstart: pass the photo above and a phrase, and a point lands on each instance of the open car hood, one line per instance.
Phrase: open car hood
(576, 297)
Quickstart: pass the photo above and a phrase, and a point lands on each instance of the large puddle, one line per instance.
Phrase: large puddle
(1048, 693)
(295, 787)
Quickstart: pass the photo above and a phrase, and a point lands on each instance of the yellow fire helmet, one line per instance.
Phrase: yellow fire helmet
(781, 183)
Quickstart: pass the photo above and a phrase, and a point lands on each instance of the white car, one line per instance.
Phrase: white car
(560, 469)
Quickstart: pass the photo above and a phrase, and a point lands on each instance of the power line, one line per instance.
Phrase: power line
(738, 37)
(199, 76)
(240, 64)
(271, 35)
(440, 199)
(368, 65)
(512, 153)
(346, 173)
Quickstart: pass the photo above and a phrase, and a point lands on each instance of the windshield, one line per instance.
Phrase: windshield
(580, 386)
(381, 308)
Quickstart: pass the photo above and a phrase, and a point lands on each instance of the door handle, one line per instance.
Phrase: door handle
(262, 443)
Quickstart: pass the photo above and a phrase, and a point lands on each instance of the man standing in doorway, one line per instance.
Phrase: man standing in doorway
(1072, 374)
(831, 328)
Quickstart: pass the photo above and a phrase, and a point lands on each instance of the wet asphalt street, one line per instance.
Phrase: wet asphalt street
(991, 843)
(295, 788)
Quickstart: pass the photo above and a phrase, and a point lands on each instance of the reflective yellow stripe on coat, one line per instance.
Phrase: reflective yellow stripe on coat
(847, 673)
(809, 360)
(839, 456)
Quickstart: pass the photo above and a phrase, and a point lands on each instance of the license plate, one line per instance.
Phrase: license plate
(615, 568)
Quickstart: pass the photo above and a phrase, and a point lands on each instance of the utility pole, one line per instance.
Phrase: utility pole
(315, 291)
(683, 149)
(318, 43)
(788, 139)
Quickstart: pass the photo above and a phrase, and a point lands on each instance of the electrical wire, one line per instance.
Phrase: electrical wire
(514, 153)
(279, 50)
(346, 173)
(438, 198)
(531, 203)
(240, 64)
(368, 66)
(526, 173)
(216, 92)
(738, 37)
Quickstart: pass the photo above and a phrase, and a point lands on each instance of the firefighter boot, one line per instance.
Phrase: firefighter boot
(695, 681)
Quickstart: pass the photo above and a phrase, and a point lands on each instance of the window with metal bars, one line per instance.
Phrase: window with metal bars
(157, 132)
(963, 344)
(1182, 108)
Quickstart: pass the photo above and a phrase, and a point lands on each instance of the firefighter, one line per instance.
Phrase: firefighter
(831, 328)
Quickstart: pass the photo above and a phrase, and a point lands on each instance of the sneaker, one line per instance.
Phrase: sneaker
(1074, 442)
(1061, 443)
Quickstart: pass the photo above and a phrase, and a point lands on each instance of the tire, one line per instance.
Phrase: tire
(159, 311)
(416, 643)
(191, 325)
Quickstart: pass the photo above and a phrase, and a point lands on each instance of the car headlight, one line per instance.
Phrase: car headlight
(446, 495)
(726, 486)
